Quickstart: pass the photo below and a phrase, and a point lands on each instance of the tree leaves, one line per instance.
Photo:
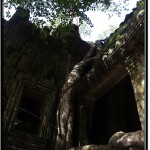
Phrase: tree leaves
(62, 10)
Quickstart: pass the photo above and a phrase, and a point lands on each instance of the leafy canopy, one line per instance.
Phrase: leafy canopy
(62, 12)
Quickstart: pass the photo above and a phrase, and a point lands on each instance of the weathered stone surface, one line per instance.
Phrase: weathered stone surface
(92, 147)
(125, 140)
(98, 86)
(103, 147)
(42, 61)
(136, 69)
(90, 102)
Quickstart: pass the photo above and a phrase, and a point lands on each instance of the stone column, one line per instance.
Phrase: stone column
(136, 69)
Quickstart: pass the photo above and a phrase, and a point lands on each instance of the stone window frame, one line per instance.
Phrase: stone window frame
(20, 92)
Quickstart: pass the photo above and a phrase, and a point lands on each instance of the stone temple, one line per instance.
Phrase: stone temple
(66, 94)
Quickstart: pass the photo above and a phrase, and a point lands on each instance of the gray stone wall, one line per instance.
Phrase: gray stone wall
(136, 69)
(32, 56)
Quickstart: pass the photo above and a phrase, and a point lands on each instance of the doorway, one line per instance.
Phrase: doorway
(113, 112)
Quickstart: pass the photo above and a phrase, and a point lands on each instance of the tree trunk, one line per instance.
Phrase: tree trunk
(65, 111)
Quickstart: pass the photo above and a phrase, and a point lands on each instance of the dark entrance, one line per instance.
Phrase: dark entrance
(115, 111)
(28, 118)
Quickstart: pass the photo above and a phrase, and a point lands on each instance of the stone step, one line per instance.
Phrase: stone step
(101, 147)
(25, 141)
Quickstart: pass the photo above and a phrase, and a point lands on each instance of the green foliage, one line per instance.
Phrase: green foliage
(106, 33)
(85, 29)
(62, 12)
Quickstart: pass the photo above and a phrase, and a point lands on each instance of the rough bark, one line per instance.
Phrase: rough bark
(65, 110)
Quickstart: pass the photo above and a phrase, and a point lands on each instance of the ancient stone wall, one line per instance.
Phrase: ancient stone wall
(136, 68)
(39, 61)
(36, 64)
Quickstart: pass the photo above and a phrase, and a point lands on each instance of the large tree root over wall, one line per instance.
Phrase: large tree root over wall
(65, 111)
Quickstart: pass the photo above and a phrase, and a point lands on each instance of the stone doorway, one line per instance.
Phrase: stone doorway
(114, 111)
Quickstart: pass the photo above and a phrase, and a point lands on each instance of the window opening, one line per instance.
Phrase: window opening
(29, 115)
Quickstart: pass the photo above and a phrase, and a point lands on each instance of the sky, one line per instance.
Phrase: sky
(100, 20)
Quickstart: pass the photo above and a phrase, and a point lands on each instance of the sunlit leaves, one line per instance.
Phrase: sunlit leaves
(107, 33)
(117, 7)
(85, 29)
(62, 10)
